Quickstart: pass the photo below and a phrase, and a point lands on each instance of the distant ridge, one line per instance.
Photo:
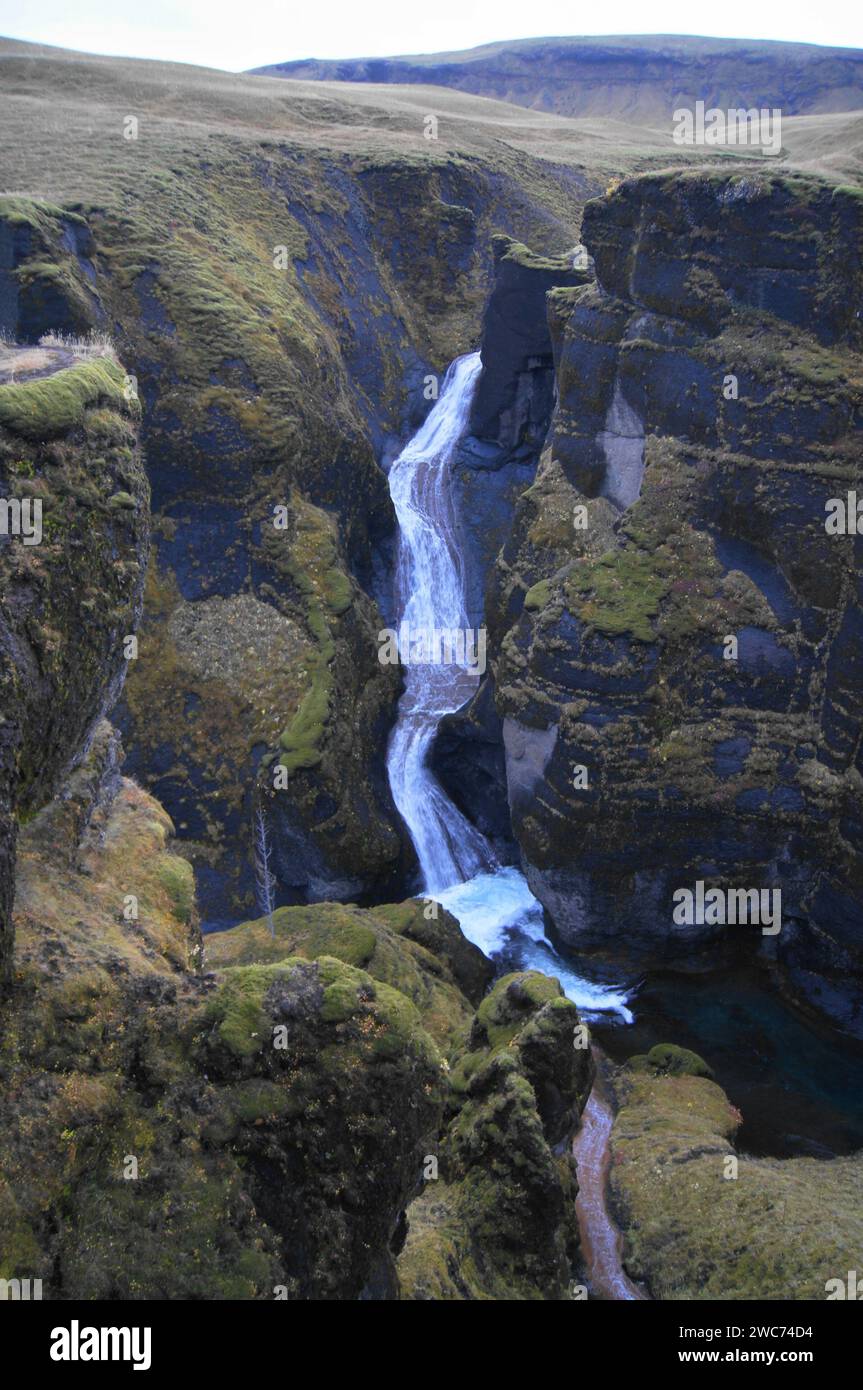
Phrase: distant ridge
(642, 77)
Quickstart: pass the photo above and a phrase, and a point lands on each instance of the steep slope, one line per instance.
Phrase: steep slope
(73, 553)
(637, 78)
(679, 632)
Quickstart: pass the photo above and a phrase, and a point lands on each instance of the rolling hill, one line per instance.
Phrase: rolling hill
(638, 78)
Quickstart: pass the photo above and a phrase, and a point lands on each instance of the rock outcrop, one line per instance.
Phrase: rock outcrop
(498, 1220)
(269, 1127)
(701, 1221)
(495, 463)
(679, 633)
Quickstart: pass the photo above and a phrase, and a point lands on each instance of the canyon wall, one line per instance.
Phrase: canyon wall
(71, 594)
(677, 635)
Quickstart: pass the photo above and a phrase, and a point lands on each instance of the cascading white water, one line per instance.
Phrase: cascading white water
(430, 597)
(493, 904)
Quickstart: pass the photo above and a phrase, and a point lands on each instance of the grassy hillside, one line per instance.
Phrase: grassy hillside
(635, 78)
(62, 119)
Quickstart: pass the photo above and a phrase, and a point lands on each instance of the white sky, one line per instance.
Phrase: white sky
(238, 34)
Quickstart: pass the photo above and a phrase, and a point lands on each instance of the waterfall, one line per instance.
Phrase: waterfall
(493, 903)
(430, 598)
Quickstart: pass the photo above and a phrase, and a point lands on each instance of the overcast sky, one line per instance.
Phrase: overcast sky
(232, 35)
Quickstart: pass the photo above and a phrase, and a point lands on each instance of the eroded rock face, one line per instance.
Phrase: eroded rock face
(723, 328)
(72, 593)
(47, 275)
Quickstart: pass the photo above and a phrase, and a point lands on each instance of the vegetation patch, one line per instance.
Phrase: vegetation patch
(57, 404)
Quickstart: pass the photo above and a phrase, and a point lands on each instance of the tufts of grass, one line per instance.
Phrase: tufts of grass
(54, 405)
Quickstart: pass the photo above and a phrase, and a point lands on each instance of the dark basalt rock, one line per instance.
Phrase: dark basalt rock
(494, 465)
(468, 759)
(47, 276)
(613, 632)
(515, 394)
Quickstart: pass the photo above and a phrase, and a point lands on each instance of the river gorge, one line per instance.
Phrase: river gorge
(431, 695)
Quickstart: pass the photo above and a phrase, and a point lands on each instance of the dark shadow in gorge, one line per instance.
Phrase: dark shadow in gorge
(796, 1081)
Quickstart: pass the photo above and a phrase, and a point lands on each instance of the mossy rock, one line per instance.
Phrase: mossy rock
(703, 1222)
(500, 1221)
(670, 1060)
(57, 404)
(425, 970)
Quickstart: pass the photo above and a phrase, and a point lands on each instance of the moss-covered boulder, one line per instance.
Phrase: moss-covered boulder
(329, 1092)
(667, 1059)
(701, 1221)
(497, 1220)
(427, 960)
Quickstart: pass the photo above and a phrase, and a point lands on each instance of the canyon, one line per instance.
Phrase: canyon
(473, 867)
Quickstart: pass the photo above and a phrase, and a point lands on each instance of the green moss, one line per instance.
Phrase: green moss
(322, 929)
(122, 501)
(848, 190)
(300, 742)
(54, 405)
(670, 1060)
(505, 1009)
(237, 1011)
(21, 211)
(538, 596)
(619, 593)
(522, 255)
(701, 1222)
(178, 879)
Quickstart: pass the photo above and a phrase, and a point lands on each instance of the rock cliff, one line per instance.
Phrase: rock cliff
(73, 554)
(679, 633)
